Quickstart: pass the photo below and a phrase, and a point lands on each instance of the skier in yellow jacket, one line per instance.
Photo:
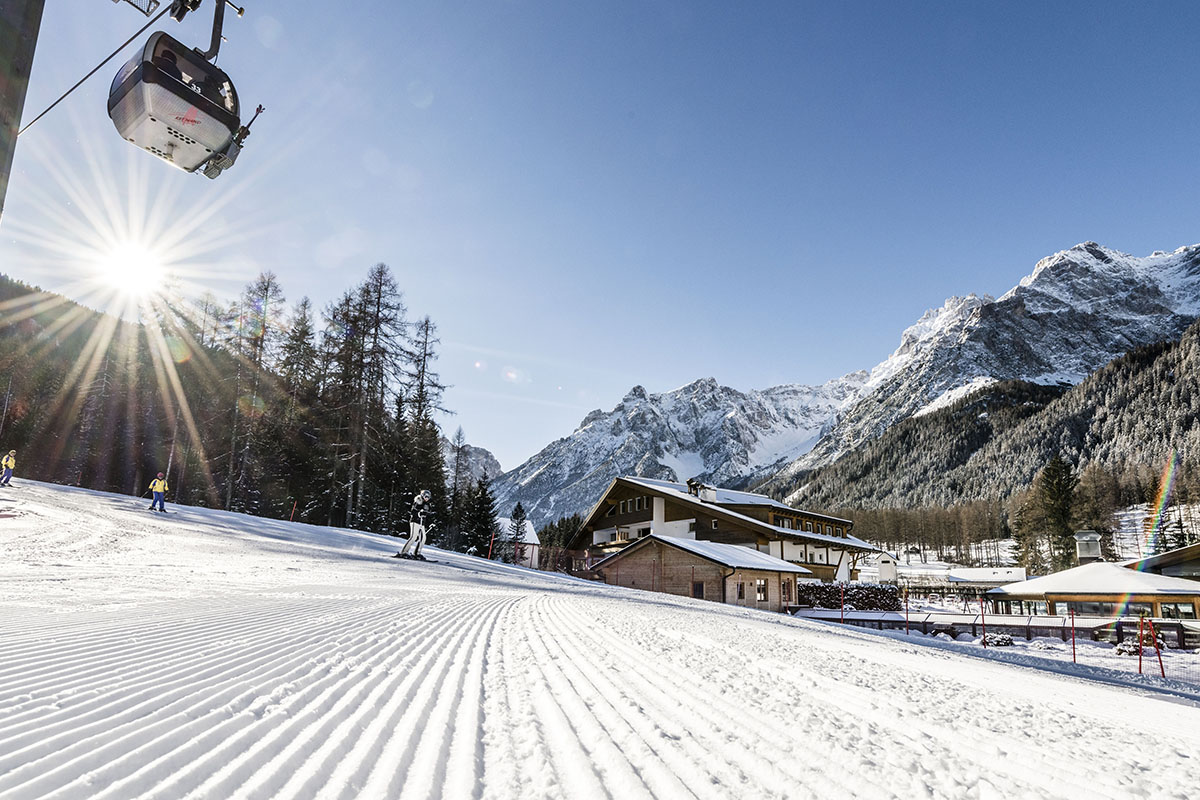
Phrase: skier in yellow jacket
(9, 464)
(159, 487)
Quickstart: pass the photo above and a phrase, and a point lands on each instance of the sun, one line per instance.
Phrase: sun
(131, 269)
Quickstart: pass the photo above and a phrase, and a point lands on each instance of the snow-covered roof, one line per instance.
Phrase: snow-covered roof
(531, 536)
(985, 574)
(728, 555)
(680, 493)
(1176, 556)
(723, 496)
(1103, 578)
(729, 497)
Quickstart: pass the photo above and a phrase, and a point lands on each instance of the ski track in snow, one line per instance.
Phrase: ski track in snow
(211, 655)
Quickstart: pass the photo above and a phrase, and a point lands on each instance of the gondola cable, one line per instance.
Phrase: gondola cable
(94, 71)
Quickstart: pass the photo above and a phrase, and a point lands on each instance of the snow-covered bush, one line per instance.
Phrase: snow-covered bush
(1129, 647)
(862, 596)
(998, 640)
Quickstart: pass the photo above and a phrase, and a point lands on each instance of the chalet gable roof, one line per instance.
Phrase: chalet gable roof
(726, 555)
(677, 492)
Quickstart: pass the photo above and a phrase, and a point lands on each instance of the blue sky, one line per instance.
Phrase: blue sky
(585, 197)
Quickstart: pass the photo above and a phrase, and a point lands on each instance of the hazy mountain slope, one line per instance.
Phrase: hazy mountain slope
(1076, 311)
(1136, 410)
(1079, 309)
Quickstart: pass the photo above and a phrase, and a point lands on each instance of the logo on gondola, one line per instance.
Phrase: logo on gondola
(189, 118)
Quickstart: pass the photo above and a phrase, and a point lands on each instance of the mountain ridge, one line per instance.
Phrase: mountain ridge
(1076, 311)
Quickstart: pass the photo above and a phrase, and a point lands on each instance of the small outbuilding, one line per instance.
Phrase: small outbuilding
(725, 573)
(1101, 589)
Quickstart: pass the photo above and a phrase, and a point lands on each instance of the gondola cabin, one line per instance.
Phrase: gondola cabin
(170, 101)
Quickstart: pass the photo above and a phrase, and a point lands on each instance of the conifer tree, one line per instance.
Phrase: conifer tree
(514, 546)
(479, 522)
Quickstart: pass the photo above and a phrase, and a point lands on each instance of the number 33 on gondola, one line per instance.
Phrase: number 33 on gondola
(172, 101)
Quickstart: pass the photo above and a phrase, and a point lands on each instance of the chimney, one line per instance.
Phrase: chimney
(1087, 547)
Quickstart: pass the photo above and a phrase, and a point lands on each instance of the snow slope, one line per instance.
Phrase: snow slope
(206, 654)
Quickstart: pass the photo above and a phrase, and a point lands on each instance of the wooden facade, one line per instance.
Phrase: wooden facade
(632, 508)
(657, 565)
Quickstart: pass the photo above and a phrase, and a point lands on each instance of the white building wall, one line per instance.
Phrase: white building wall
(678, 529)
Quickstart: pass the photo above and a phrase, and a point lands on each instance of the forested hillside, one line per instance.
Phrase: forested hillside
(251, 406)
(1128, 416)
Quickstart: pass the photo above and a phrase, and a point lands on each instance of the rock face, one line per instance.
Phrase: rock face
(703, 429)
(1079, 309)
(479, 461)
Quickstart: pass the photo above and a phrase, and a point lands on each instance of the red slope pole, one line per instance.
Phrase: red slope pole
(1154, 636)
(293, 516)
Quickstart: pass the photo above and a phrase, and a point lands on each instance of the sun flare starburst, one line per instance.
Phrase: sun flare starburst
(132, 269)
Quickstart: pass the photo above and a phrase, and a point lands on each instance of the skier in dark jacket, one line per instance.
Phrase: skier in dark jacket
(420, 517)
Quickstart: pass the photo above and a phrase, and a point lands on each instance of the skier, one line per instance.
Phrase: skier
(159, 487)
(422, 510)
(9, 463)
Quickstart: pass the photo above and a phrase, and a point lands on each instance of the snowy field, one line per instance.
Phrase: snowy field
(204, 654)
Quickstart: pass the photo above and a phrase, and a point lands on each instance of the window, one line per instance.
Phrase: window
(837, 531)
(786, 590)
(1178, 610)
(637, 504)
(808, 526)
(829, 530)
(760, 590)
(643, 532)
(714, 524)
(692, 526)
(698, 590)
(622, 506)
(741, 591)
(611, 510)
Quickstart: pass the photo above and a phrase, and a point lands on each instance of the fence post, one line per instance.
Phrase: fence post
(1073, 661)
(906, 611)
(842, 586)
(1141, 623)
(982, 621)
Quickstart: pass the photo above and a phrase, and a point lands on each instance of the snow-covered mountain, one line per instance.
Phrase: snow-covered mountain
(1079, 309)
(1076, 311)
(701, 430)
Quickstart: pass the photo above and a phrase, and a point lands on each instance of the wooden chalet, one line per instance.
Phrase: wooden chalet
(725, 573)
(632, 508)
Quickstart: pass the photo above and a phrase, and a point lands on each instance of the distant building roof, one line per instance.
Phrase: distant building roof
(531, 536)
(727, 555)
(985, 574)
(1177, 556)
(732, 497)
(1102, 578)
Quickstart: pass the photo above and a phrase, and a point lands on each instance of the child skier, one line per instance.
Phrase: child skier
(9, 464)
(159, 487)
(422, 510)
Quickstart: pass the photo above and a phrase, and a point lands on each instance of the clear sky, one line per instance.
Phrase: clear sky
(588, 196)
